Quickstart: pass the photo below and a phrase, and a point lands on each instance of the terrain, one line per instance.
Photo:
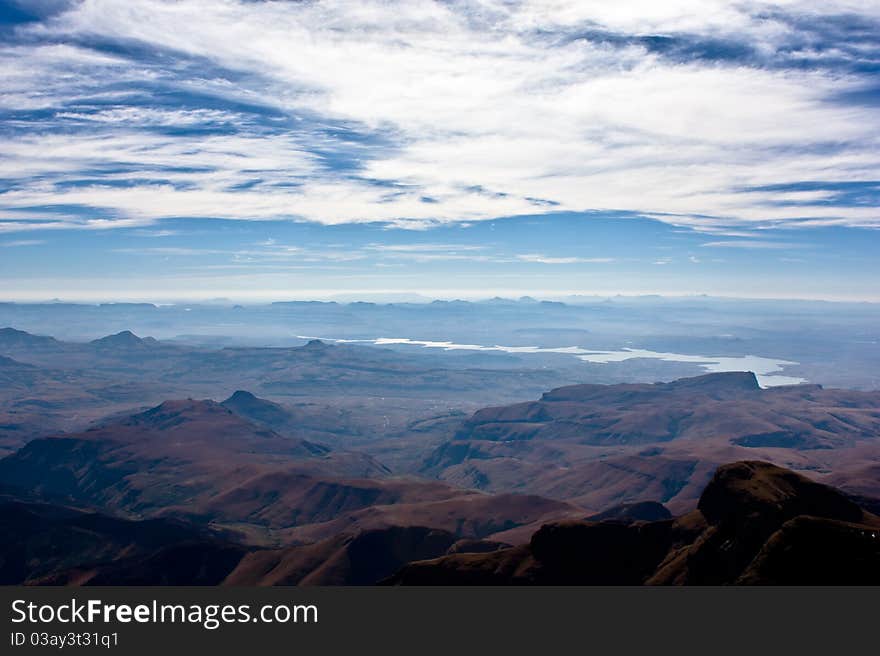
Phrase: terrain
(755, 524)
(128, 459)
(338, 393)
(833, 344)
(601, 445)
(200, 461)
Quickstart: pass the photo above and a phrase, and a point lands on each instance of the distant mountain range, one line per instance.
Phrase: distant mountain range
(353, 464)
(340, 393)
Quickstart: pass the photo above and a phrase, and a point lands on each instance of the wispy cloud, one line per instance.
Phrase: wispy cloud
(424, 248)
(752, 243)
(171, 250)
(546, 259)
(21, 242)
(157, 233)
(436, 112)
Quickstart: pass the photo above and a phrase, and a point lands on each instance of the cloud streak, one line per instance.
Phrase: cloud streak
(704, 114)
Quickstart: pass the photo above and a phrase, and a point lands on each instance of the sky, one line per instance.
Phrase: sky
(155, 150)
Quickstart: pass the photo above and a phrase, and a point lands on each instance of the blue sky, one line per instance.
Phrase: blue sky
(263, 150)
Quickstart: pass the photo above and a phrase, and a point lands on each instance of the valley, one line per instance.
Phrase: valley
(158, 461)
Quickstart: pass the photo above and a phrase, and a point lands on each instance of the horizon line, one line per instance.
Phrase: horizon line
(416, 298)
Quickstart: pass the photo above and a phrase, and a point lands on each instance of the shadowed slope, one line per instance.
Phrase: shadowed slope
(361, 559)
(47, 544)
(178, 453)
(757, 524)
(199, 461)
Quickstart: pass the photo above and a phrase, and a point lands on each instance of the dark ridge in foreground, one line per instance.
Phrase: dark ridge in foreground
(45, 544)
(48, 544)
(756, 524)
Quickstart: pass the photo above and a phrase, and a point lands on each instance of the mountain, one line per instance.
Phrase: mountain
(757, 512)
(343, 395)
(51, 544)
(314, 421)
(125, 340)
(199, 461)
(399, 434)
(756, 524)
(262, 411)
(361, 559)
(603, 445)
(12, 340)
(179, 453)
(323, 363)
(464, 513)
(636, 414)
(103, 550)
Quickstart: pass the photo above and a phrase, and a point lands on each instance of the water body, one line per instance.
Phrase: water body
(765, 369)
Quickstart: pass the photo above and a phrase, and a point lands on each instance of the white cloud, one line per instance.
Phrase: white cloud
(146, 116)
(752, 243)
(423, 248)
(486, 117)
(22, 242)
(545, 259)
(157, 233)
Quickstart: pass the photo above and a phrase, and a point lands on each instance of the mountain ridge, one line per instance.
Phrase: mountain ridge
(750, 516)
(758, 524)
(603, 445)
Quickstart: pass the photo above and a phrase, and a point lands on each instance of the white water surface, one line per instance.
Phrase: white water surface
(766, 370)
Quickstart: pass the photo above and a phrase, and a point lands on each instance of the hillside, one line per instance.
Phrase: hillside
(756, 524)
(200, 461)
(600, 445)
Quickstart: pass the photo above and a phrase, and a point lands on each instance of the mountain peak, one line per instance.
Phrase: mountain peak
(244, 403)
(126, 338)
(240, 396)
(253, 408)
(316, 345)
(740, 489)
